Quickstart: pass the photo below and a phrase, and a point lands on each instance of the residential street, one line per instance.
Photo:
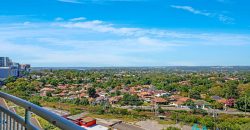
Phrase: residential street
(230, 111)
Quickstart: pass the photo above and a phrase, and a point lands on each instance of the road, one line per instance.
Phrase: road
(230, 111)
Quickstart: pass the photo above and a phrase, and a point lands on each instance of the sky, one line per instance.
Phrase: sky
(107, 33)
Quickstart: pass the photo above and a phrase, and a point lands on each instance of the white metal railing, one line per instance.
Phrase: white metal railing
(11, 121)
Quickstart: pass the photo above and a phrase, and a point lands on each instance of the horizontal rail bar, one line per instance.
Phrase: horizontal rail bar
(16, 118)
(53, 118)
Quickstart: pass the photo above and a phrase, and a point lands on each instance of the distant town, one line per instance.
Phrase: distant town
(135, 98)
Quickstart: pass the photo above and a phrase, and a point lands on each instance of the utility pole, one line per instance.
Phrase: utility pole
(156, 109)
(245, 105)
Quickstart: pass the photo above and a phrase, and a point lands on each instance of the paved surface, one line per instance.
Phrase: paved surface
(123, 126)
(117, 124)
(154, 125)
(107, 122)
(150, 108)
(230, 111)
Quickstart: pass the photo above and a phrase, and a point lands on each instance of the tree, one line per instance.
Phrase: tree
(243, 103)
(21, 88)
(216, 90)
(92, 92)
(244, 89)
(49, 94)
(84, 101)
(116, 93)
(35, 100)
(190, 103)
(131, 100)
(128, 82)
(245, 126)
(161, 111)
(217, 105)
(53, 82)
(77, 101)
(230, 89)
(195, 93)
(9, 80)
(36, 84)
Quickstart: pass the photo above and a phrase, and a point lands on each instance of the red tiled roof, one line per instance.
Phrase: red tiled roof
(224, 101)
(159, 100)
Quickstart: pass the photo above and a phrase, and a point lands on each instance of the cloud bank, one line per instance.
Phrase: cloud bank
(82, 42)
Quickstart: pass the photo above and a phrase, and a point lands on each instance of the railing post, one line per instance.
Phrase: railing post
(51, 117)
(27, 118)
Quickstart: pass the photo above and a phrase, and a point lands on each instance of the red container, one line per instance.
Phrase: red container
(87, 121)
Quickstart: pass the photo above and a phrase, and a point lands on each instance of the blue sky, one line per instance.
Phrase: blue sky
(125, 32)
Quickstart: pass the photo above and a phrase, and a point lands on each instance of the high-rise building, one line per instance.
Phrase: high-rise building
(6, 72)
(9, 68)
(5, 62)
(25, 67)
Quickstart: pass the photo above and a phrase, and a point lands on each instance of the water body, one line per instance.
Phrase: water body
(159, 68)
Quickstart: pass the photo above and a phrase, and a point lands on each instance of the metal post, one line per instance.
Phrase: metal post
(29, 107)
(27, 118)
(14, 124)
(10, 122)
(4, 121)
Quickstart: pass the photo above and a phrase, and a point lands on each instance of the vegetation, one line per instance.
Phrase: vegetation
(131, 100)
(172, 128)
(92, 92)
(234, 86)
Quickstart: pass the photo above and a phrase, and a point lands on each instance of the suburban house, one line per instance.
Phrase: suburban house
(114, 100)
(44, 91)
(177, 100)
(159, 101)
(201, 104)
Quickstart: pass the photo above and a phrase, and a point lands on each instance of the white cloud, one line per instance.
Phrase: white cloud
(97, 42)
(226, 19)
(77, 19)
(41, 56)
(99, 26)
(220, 17)
(192, 10)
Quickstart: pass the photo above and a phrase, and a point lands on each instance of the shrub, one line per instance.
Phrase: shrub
(172, 128)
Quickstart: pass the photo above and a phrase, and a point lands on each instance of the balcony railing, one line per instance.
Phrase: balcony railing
(11, 121)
